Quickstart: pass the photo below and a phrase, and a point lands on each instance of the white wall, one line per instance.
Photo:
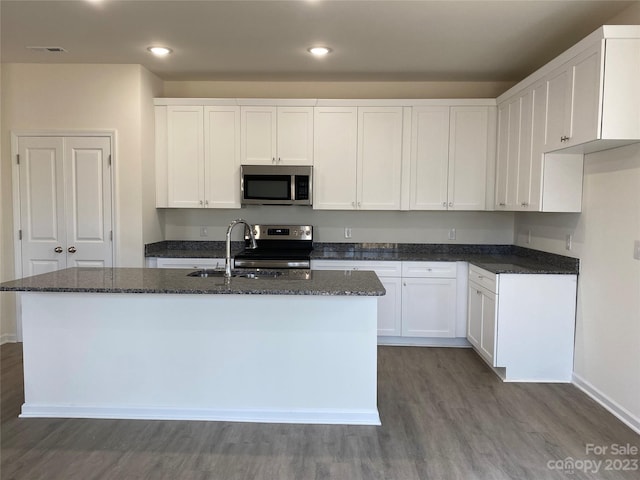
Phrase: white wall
(607, 358)
(401, 227)
(85, 97)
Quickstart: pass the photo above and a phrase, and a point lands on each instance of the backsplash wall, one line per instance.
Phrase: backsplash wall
(366, 226)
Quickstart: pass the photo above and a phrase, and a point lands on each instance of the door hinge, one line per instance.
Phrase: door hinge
(19, 234)
(111, 235)
(18, 158)
(109, 160)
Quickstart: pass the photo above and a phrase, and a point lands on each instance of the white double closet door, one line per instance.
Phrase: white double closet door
(65, 203)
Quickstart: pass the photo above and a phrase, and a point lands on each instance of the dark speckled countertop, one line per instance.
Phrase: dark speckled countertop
(176, 281)
(494, 258)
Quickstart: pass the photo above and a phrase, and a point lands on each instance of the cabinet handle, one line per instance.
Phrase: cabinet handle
(71, 249)
(478, 292)
(359, 204)
(524, 204)
(444, 204)
(480, 277)
(564, 139)
(206, 203)
(404, 284)
(451, 204)
(58, 249)
(353, 204)
(502, 204)
(200, 202)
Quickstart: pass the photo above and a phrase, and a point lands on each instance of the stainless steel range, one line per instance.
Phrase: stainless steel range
(279, 247)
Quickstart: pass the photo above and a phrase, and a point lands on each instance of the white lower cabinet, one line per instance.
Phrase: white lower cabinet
(523, 325)
(428, 299)
(421, 298)
(389, 306)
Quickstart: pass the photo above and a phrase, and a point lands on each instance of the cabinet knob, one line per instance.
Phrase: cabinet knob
(524, 204)
(359, 204)
(451, 204)
(478, 292)
(444, 204)
(206, 203)
(58, 249)
(279, 159)
(200, 202)
(502, 204)
(71, 249)
(353, 204)
(273, 159)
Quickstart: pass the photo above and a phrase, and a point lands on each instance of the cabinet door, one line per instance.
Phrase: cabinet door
(468, 156)
(474, 316)
(258, 135)
(508, 154)
(222, 157)
(295, 136)
(585, 96)
(379, 158)
(428, 307)
(190, 263)
(185, 156)
(488, 334)
(538, 123)
(390, 308)
(502, 160)
(522, 182)
(335, 158)
(429, 158)
(558, 108)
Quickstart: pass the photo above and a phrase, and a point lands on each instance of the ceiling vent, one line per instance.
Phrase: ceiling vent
(47, 49)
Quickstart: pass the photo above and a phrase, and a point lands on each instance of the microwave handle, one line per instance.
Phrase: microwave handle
(293, 187)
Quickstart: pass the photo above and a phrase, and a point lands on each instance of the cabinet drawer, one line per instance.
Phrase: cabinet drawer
(382, 269)
(190, 263)
(483, 278)
(429, 269)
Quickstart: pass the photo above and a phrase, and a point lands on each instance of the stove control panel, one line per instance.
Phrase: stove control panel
(282, 232)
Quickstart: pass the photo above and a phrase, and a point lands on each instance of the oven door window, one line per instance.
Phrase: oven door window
(267, 187)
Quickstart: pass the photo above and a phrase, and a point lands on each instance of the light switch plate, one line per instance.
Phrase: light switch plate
(347, 232)
(452, 234)
(636, 249)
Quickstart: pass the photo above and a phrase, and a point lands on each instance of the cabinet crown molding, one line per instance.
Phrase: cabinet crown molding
(324, 102)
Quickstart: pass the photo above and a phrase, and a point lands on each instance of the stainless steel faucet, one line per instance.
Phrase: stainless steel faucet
(227, 259)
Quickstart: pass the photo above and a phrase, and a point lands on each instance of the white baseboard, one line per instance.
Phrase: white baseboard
(326, 417)
(424, 342)
(611, 405)
(8, 338)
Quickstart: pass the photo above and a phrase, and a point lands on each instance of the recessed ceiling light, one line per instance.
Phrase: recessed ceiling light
(160, 51)
(319, 51)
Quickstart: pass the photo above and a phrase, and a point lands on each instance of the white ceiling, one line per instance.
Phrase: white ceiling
(267, 40)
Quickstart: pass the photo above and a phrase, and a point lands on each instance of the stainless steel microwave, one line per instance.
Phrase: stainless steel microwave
(276, 184)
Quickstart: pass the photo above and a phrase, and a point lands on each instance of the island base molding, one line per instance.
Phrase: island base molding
(252, 358)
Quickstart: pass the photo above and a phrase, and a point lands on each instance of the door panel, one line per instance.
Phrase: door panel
(88, 209)
(41, 204)
(65, 203)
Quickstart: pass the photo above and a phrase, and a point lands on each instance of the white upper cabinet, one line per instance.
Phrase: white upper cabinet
(198, 156)
(450, 151)
(470, 140)
(592, 92)
(277, 135)
(379, 163)
(185, 134)
(429, 158)
(335, 158)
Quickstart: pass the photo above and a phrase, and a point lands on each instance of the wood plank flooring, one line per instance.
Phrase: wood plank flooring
(445, 415)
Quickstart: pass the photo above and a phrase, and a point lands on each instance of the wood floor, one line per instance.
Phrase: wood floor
(444, 416)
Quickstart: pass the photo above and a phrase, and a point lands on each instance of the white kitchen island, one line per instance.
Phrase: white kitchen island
(155, 344)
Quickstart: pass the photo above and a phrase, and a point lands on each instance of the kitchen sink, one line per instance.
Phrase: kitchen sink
(238, 274)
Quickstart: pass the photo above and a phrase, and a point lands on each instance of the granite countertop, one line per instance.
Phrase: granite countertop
(176, 281)
(499, 259)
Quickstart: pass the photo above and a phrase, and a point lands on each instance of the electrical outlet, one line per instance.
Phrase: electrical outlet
(569, 239)
(347, 232)
(203, 232)
(636, 249)
(452, 234)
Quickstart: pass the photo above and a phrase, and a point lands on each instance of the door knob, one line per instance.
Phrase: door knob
(71, 249)
(58, 249)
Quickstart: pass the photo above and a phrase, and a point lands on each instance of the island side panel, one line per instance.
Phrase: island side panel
(271, 358)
